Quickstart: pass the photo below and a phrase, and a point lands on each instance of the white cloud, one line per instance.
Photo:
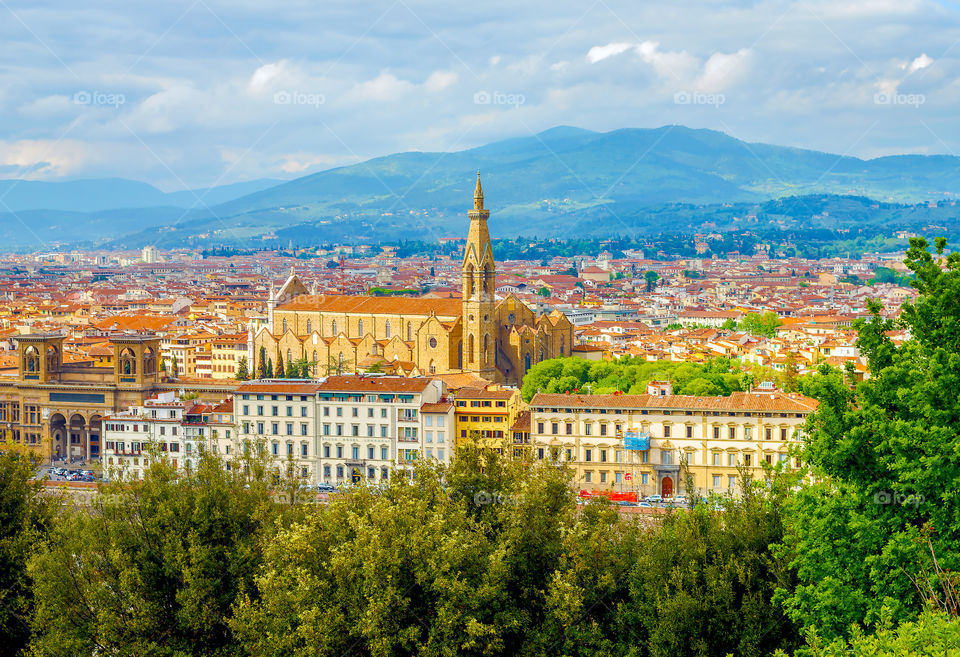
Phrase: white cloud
(268, 76)
(722, 70)
(440, 80)
(600, 53)
(38, 159)
(385, 86)
(921, 62)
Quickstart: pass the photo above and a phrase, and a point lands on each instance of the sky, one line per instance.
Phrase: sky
(199, 93)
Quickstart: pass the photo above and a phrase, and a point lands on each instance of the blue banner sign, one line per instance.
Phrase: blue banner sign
(639, 440)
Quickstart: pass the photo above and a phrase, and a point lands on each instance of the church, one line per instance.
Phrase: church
(499, 340)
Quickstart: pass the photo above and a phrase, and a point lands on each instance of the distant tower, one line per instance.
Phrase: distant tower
(479, 274)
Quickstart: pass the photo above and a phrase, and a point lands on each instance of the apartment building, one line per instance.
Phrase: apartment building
(166, 427)
(371, 425)
(649, 443)
(346, 428)
(485, 415)
(281, 416)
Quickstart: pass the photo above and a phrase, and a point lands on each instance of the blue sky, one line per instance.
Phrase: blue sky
(195, 93)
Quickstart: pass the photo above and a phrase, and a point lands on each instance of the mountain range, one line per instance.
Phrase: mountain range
(560, 182)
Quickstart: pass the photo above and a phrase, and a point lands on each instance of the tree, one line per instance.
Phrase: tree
(544, 292)
(885, 455)
(163, 365)
(26, 515)
(729, 325)
(651, 277)
(280, 371)
(242, 373)
(757, 324)
(156, 567)
(262, 371)
(174, 365)
(269, 370)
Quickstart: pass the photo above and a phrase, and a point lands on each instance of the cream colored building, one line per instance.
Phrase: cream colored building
(708, 437)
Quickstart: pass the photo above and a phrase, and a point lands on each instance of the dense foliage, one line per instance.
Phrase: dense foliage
(631, 375)
(880, 527)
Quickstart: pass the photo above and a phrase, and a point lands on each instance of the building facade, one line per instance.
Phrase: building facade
(498, 340)
(650, 443)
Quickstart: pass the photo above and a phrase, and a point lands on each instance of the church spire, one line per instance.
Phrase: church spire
(478, 195)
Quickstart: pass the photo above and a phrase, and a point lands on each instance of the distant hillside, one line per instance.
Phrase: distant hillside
(560, 182)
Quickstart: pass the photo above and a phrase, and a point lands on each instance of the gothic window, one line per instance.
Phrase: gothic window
(409, 331)
(562, 339)
(289, 357)
(470, 349)
(309, 327)
(314, 363)
(486, 344)
(340, 364)
(31, 360)
(468, 280)
(486, 278)
(284, 325)
(512, 319)
(526, 362)
(334, 328)
(360, 328)
(541, 355)
(387, 329)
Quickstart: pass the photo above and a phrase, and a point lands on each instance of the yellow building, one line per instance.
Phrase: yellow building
(486, 415)
(497, 340)
(649, 443)
(54, 408)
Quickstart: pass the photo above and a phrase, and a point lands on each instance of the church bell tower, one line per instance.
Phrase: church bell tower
(479, 273)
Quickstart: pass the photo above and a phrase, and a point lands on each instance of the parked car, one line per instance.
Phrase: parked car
(624, 503)
(324, 487)
(654, 499)
(644, 505)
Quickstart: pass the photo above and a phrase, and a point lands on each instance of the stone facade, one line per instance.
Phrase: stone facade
(497, 340)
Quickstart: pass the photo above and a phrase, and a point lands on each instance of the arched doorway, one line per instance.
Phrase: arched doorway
(93, 436)
(58, 436)
(77, 437)
(666, 487)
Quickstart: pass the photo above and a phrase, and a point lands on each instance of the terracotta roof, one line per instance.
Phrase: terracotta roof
(482, 393)
(375, 305)
(360, 383)
(279, 388)
(737, 401)
(522, 423)
(438, 407)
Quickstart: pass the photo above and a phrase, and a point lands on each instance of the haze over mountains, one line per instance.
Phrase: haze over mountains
(562, 182)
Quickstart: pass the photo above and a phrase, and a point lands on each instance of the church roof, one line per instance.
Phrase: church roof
(376, 305)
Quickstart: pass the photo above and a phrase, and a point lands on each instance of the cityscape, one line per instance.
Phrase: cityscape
(363, 348)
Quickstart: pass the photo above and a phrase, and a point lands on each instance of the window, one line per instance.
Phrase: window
(569, 428)
(603, 456)
(748, 433)
(768, 434)
(747, 458)
(303, 449)
(666, 457)
(370, 452)
(666, 431)
(326, 471)
(716, 433)
(588, 476)
(783, 434)
(716, 459)
(732, 481)
(289, 428)
(587, 429)
(716, 481)
(731, 460)
(554, 428)
(732, 431)
(326, 451)
(355, 452)
(588, 455)
(603, 477)
(689, 431)
(384, 453)
(603, 428)
(339, 452)
(289, 411)
(644, 478)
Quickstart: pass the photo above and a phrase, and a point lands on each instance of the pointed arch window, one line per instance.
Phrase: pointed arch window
(409, 331)
(334, 328)
(309, 327)
(470, 349)
(486, 344)
(360, 328)
(387, 328)
(526, 362)
(284, 324)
